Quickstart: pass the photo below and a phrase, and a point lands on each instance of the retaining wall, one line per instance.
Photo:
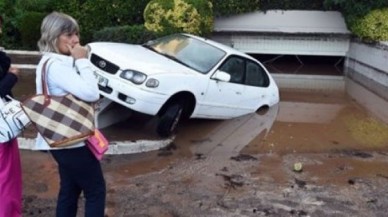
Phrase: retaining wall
(367, 64)
(366, 72)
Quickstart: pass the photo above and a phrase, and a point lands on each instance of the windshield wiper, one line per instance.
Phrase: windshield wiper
(149, 47)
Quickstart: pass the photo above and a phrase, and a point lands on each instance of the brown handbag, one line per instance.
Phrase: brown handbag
(61, 120)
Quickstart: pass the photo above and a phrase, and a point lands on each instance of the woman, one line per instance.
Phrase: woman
(10, 167)
(68, 71)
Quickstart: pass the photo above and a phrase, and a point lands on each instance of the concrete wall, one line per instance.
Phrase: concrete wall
(289, 32)
(366, 72)
(286, 44)
(367, 65)
(310, 82)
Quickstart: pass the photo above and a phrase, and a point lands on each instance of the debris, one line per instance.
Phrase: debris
(233, 180)
(168, 150)
(243, 157)
(298, 167)
(199, 156)
(382, 175)
(300, 183)
(356, 153)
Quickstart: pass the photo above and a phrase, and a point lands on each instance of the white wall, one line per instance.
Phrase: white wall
(322, 45)
(368, 65)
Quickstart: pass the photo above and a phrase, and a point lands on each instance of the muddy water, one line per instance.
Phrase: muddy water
(303, 122)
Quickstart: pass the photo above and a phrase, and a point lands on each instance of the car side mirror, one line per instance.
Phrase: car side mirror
(221, 76)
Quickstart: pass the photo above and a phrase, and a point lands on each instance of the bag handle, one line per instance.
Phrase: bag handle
(44, 84)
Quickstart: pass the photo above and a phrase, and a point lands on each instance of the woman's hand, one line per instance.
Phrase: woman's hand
(14, 71)
(78, 51)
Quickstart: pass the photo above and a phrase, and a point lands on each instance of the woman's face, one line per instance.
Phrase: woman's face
(65, 40)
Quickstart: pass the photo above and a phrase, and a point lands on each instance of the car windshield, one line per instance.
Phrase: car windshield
(188, 51)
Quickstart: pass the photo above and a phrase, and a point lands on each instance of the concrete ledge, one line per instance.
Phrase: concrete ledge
(310, 82)
(116, 147)
(367, 99)
(25, 66)
(23, 52)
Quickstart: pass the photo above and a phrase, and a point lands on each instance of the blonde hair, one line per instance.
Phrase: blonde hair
(54, 25)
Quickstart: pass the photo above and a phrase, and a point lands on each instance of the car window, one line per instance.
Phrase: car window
(234, 66)
(188, 51)
(244, 71)
(256, 75)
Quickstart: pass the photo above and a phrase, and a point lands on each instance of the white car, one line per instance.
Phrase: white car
(182, 76)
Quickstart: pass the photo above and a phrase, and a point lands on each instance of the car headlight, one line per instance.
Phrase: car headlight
(152, 82)
(133, 76)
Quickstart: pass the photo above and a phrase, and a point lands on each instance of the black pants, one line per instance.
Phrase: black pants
(79, 171)
(6, 84)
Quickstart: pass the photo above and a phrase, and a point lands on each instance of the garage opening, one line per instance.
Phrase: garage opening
(302, 64)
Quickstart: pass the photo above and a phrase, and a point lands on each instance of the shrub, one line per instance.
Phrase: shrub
(29, 28)
(354, 10)
(373, 26)
(232, 7)
(94, 15)
(10, 35)
(35, 5)
(172, 16)
(291, 4)
(135, 34)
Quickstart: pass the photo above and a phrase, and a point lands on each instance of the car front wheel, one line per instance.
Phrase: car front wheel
(169, 120)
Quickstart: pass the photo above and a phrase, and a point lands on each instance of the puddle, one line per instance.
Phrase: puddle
(304, 122)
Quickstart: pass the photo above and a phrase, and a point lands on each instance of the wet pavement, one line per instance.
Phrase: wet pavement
(239, 167)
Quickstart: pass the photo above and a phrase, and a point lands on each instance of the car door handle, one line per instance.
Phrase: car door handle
(238, 92)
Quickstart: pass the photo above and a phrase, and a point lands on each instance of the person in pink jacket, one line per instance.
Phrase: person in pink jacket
(10, 166)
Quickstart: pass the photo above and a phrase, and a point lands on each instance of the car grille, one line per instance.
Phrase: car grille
(104, 64)
(105, 89)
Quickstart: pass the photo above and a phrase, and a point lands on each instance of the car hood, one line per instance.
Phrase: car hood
(136, 57)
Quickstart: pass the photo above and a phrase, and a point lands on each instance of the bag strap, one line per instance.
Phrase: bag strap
(44, 84)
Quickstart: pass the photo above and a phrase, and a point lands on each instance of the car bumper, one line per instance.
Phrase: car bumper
(134, 97)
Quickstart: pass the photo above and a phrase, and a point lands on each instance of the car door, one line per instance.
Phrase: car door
(256, 90)
(222, 98)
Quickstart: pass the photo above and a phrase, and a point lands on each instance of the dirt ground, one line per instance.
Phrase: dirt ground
(242, 167)
(258, 185)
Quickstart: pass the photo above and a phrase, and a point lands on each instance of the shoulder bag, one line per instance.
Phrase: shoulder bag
(13, 120)
(61, 120)
(98, 144)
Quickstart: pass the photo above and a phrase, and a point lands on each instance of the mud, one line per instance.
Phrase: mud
(239, 167)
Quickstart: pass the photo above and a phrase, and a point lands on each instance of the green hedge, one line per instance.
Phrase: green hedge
(170, 16)
(135, 34)
(291, 4)
(22, 16)
(364, 18)
(29, 28)
(94, 15)
(373, 26)
(232, 7)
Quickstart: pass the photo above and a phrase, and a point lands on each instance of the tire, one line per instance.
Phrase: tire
(169, 120)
